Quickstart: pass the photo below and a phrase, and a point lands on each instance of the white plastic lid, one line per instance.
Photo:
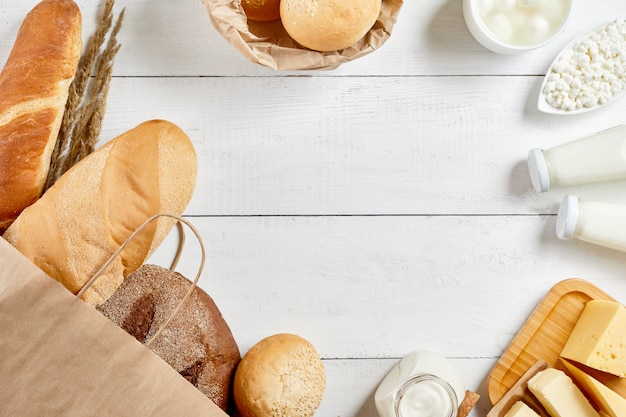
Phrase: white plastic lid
(538, 170)
(567, 217)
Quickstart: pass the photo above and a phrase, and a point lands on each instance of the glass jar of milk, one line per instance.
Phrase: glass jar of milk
(422, 384)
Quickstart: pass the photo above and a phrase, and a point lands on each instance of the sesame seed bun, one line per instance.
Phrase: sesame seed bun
(280, 376)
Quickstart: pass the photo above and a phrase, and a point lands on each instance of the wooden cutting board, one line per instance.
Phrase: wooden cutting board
(543, 336)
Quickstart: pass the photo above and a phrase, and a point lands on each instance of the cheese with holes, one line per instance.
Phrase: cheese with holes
(520, 409)
(559, 396)
(598, 339)
(604, 398)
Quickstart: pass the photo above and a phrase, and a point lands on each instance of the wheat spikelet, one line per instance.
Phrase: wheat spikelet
(86, 104)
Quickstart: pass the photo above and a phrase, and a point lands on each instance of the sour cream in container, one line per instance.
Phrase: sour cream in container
(514, 26)
(422, 384)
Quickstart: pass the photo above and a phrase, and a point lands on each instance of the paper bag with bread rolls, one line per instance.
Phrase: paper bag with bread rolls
(61, 357)
(268, 44)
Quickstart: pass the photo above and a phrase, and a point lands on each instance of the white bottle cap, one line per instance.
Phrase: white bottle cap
(567, 217)
(538, 170)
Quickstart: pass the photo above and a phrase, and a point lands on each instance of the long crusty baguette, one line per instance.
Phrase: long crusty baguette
(34, 86)
(92, 209)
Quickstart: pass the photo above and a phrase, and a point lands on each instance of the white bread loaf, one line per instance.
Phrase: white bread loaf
(34, 86)
(92, 209)
(328, 25)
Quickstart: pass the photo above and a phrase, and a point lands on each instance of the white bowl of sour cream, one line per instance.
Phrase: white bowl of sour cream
(514, 26)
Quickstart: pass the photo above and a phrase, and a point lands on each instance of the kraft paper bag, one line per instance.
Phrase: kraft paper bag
(61, 357)
(268, 44)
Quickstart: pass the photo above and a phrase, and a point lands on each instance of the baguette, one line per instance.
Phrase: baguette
(34, 86)
(78, 223)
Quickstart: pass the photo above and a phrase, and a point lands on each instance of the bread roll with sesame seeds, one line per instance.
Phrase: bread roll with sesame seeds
(328, 25)
(280, 376)
(94, 207)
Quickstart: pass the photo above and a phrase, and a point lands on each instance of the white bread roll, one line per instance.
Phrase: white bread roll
(328, 25)
(92, 209)
(34, 86)
(282, 375)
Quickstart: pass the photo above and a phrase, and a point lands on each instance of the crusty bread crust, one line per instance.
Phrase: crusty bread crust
(96, 205)
(328, 25)
(261, 10)
(282, 376)
(197, 343)
(34, 86)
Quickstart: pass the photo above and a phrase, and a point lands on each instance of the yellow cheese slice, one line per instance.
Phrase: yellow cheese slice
(607, 400)
(559, 396)
(520, 409)
(598, 339)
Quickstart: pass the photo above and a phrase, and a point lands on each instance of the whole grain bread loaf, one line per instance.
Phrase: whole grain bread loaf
(197, 342)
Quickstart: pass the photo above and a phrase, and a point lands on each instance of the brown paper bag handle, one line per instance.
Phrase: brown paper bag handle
(194, 283)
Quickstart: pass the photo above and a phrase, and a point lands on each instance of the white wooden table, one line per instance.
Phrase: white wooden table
(374, 209)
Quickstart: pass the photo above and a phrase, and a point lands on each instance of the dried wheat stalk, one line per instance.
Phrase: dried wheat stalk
(86, 104)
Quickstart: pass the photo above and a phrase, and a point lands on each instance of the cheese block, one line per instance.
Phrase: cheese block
(519, 409)
(559, 396)
(598, 339)
(604, 398)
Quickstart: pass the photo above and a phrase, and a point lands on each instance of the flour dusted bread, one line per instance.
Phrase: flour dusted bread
(93, 208)
(281, 376)
(34, 87)
(197, 342)
(328, 25)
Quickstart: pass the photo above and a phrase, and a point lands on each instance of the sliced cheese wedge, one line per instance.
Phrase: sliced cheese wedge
(607, 400)
(520, 409)
(559, 396)
(598, 339)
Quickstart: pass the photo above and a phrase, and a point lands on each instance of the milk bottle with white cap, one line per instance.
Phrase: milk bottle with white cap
(596, 158)
(596, 222)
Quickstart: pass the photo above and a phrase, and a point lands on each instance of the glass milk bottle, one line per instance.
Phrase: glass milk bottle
(422, 384)
(595, 158)
(602, 224)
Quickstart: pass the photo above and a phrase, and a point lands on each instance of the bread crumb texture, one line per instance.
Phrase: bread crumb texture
(280, 376)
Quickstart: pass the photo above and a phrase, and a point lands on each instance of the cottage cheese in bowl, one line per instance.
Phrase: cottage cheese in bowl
(588, 73)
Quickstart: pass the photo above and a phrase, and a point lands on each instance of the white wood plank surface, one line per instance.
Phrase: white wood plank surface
(173, 37)
(363, 145)
(374, 209)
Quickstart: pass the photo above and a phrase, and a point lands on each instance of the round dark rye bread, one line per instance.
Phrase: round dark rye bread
(197, 343)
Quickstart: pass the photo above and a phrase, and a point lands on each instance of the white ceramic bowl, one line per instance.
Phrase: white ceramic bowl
(485, 37)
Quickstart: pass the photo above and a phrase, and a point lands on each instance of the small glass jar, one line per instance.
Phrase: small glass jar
(425, 395)
(421, 384)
